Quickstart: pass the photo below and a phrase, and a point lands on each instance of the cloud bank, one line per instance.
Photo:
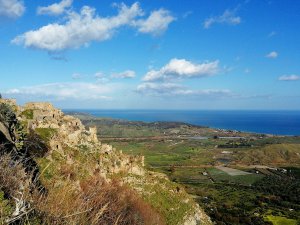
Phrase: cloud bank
(65, 91)
(80, 29)
(167, 81)
(174, 89)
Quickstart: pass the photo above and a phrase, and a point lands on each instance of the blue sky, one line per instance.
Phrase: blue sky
(162, 54)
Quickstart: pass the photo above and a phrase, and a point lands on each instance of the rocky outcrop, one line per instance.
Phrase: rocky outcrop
(197, 218)
(68, 132)
(7, 123)
(4, 134)
(75, 153)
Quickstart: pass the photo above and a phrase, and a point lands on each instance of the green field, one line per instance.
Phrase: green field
(241, 199)
(278, 220)
(220, 176)
(228, 199)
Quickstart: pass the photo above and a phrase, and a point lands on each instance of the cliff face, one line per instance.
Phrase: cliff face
(74, 155)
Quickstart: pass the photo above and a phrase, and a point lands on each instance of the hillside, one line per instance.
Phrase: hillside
(236, 177)
(55, 171)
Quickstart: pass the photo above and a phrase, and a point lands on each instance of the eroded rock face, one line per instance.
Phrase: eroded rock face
(7, 122)
(4, 134)
(198, 218)
(69, 132)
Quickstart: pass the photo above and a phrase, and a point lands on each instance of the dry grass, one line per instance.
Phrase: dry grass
(15, 183)
(13, 177)
(92, 201)
(96, 203)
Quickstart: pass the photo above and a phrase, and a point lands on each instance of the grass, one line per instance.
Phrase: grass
(273, 154)
(63, 199)
(278, 220)
(164, 196)
(166, 153)
(5, 208)
(221, 176)
(234, 197)
(28, 114)
(189, 176)
(163, 153)
(45, 133)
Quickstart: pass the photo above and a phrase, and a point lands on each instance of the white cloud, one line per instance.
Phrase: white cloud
(289, 77)
(125, 74)
(81, 28)
(156, 23)
(11, 8)
(228, 17)
(64, 91)
(181, 68)
(173, 89)
(272, 55)
(157, 88)
(55, 9)
(101, 77)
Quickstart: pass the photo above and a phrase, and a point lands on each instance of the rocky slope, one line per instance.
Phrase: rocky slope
(73, 178)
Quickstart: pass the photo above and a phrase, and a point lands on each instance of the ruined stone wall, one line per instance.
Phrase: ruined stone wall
(43, 111)
(39, 105)
(71, 132)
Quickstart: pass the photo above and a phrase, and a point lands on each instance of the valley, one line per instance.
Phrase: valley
(238, 178)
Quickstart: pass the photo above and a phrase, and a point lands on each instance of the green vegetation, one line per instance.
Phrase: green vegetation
(278, 220)
(189, 154)
(5, 207)
(7, 114)
(45, 133)
(234, 199)
(220, 176)
(28, 114)
(174, 206)
(272, 154)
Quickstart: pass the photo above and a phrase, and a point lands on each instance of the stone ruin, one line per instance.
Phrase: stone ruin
(43, 111)
(70, 132)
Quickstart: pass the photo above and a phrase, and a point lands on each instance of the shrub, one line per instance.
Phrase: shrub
(12, 175)
(96, 203)
(5, 208)
(15, 184)
(28, 114)
(7, 114)
(45, 133)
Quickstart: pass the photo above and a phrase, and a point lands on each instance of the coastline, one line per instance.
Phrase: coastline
(277, 123)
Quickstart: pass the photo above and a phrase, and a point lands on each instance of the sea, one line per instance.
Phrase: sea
(257, 121)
